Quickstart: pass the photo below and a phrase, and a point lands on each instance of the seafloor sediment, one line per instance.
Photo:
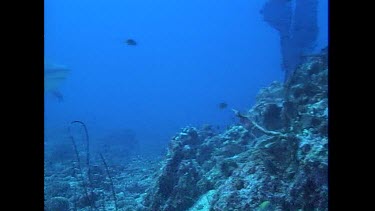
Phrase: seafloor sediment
(274, 158)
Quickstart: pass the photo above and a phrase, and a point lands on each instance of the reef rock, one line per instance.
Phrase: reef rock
(277, 161)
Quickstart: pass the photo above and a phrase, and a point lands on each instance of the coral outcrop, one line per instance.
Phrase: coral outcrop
(276, 158)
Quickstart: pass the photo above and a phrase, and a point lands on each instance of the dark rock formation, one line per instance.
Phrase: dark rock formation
(297, 27)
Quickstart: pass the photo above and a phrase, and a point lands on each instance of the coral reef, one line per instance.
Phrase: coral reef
(274, 159)
(130, 181)
(97, 182)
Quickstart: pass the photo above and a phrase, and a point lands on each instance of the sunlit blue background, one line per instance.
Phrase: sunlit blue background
(191, 55)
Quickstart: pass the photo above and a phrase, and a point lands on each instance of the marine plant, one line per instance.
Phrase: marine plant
(110, 180)
(89, 185)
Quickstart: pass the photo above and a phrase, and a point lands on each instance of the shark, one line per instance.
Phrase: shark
(54, 76)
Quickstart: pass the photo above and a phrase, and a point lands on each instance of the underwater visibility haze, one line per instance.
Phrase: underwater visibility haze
(186, 105)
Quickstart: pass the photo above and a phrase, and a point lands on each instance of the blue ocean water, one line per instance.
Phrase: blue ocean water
(190, 56)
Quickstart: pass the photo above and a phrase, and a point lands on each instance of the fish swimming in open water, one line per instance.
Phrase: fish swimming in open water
(222, 105)
(130, 42)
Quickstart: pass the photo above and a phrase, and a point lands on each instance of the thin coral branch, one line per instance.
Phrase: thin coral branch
(81, 173)
(92, 203)
(247, 119)
(87, 141)
(110, 180)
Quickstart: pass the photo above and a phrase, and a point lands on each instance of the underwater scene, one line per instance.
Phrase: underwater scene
(199, 105)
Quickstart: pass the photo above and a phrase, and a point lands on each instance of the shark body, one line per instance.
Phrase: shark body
(54, 76)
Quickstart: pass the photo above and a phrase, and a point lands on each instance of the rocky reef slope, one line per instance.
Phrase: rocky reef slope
(275, 158)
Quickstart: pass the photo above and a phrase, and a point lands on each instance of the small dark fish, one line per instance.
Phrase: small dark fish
(223, 105)
(131, 42)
